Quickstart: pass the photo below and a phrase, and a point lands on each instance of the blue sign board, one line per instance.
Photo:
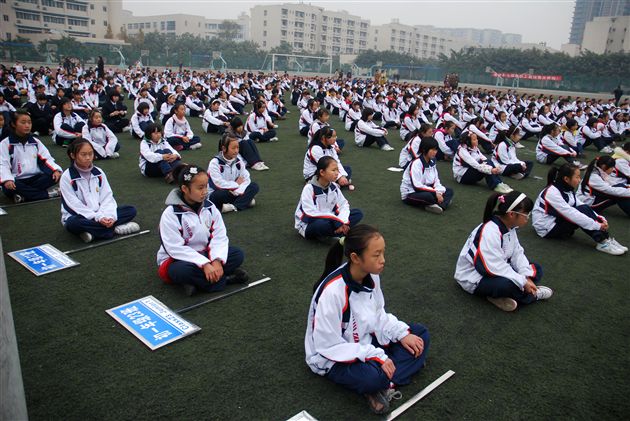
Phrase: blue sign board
(152, 322)
(43, 259)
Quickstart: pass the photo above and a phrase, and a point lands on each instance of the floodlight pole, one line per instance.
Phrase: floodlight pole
(273, 63)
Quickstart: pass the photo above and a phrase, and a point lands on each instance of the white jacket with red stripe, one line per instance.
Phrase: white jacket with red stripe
(420, 176)
(318, 202)
(553, 203)
(492, 250)
(603, 184)
(19, 160)
(550, 145)
(342, 318)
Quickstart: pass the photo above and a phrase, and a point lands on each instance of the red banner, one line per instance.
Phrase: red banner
(527, 76)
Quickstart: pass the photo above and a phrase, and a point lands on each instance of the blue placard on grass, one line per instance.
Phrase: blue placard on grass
(43, 259)
(152, 322)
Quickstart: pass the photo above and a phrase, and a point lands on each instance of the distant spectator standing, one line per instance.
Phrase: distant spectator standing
(618, 94)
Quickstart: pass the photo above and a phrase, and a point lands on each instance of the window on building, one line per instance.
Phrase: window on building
(162, 26)
(265, 33)
(8, 34)
(27, 16)
(264, 23)
(6, 18)
(170, 25)
(265, 12)
(91, 7)
(129, 26)
(264, 43)
(75, 6)
(285, 12)
(93, 21)
(104, 8)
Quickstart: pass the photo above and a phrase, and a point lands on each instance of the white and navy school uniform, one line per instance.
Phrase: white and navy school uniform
(622, 164)
(165, 111)
(421, 184)
(558, 212)
(66, 127)
(587, 135)
(409, 125)
(570, 141)
(391, 118)
(139, 123)
(367, 132)
(28, 163)
(175, 130)
(317, 150)
(529, 128)
(103, 140)
(86, 198)
(214, 121)
(499, 126)
(471, 166)
(550, 148)
(492, 263)
(222, 185)
(410, 152)
(348, 327)
(306, 119)
(258, 128)
(447, 146)
(322, 210)
(151, 160)
(352, 118)
(605, 190)
(192, 236)
(504, 157)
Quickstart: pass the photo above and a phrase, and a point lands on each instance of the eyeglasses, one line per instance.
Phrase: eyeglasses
(526, 215)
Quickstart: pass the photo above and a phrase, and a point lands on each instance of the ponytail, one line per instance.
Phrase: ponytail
(599, 162)
(558, 173)
(499, 204)
(355, 241)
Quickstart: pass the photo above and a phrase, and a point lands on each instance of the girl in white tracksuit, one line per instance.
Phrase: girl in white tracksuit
(214, 121)
(600, 189)
(353, 116)
(258, 126)
(195, 250)
(504, 156)
(410, 122)
(323, 211)
(103, 140)
(177, 130)
(350, 338)
(67, 125)
(471, 166)
(550, 147)
(367, 132)
(558, 212)
(323, 144)
(229, 186)
(411, 150)
(88, 207)
(622, 162)
(140, 120)
(492, 263)
(157, 156)
(421, 184)
(27, 170)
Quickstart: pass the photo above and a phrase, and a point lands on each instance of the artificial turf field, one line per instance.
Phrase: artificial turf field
(566, 358)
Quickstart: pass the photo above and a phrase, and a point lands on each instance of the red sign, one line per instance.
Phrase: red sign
(527, 76)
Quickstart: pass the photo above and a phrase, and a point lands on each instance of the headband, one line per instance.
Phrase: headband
(515, 203)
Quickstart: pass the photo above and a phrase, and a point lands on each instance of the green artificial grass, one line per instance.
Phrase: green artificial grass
(562, 359)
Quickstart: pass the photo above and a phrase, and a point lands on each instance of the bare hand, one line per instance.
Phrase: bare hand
(440, 197)
(10, 185)
(185, 139)
(343, 181)
(106, 222)
(240, 180)
(495, 171)
(603, 226)
(56, 176)
(389, 368)
(213, 271)
(413, 344)
(530, 287)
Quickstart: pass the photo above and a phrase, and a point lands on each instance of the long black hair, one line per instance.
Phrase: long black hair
(557, 174)
(498, 204)
(599, 162)
(355, 241)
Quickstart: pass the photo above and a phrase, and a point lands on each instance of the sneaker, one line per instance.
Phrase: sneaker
(274, 139)
(252, 203)
(195, 146)
(436, 209)
(190, 289)
(18, 198)
(275, 126)
(115, 155)
(606, 149)
(126, 129)
(618, 245)
(128, 228)
(169, 178)
(36, 133)
(543, 293)
(607, 246)
(581, 166)
(265, 167)
(238, 277)
(387, 147)
(259, 166)
(504, 303)
(53, 192)
(379, 401)
(518, 176)
(519, 146)
(228, 207)
(502, 188)
(86, 237)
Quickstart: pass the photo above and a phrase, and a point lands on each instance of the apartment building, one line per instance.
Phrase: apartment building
(418, 41)
(587, 10)
(607, 34)
(179, 24)
(38, 20)
(308, 29)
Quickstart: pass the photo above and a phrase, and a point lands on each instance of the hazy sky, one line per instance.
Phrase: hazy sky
(536, 20)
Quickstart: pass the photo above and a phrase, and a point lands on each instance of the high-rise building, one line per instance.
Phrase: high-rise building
(607, 34)
(586, 10)
(308, 29)
(37, 20)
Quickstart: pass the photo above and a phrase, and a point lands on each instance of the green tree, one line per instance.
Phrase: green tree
(109, 34)
(228, 30)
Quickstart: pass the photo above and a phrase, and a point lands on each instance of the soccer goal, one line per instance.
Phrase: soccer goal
(297, 63)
